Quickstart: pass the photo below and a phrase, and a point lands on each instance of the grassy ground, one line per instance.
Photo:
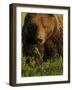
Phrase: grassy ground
(51, 67)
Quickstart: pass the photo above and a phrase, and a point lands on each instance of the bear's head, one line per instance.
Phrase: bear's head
(39, 27)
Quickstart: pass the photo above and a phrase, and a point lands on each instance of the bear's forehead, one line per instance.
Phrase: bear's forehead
(45, 20)
(41, 18)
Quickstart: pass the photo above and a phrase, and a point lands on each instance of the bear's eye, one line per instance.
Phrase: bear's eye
(32, 28)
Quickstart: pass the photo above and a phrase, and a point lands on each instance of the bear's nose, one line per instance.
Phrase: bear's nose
(39, 40)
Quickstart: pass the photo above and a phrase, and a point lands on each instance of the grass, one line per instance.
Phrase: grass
(23, 14)
(53, 66)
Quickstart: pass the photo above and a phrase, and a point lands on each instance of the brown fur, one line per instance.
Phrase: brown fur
(44, 31)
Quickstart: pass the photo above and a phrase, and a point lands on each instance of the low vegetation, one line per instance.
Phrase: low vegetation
(53, 66)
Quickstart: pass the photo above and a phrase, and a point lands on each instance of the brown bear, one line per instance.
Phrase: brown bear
(44, 32)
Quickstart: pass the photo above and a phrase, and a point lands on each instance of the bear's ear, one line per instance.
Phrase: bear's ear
(51, 14)
(59, 22)
(28, 18)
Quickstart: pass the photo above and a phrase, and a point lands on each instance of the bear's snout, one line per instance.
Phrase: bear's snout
(39, 40)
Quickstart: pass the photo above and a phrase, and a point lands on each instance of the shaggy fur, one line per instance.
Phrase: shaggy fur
(44, 31)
